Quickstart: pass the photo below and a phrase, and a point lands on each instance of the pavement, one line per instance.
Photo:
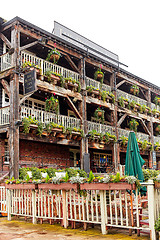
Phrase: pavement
(24, 230)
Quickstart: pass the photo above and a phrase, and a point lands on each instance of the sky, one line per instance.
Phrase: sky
(129, 28)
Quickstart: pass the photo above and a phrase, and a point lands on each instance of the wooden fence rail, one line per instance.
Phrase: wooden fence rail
(109, 207)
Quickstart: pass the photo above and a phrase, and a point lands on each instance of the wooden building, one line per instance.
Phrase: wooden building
(73, 115)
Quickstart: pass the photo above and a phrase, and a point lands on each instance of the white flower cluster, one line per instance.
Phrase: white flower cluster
(105, 179)
(56, 180)
(36, 181)
(76, 179)
(158, 178)
(131, 179)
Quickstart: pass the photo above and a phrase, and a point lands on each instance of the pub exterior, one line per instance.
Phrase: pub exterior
(67, 102)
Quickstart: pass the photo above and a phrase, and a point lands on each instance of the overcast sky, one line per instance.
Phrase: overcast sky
(129, 28)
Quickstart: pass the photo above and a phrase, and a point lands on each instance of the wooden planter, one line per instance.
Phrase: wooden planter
(31, 186)
(157, 185)
(61, 186)
(107, 186)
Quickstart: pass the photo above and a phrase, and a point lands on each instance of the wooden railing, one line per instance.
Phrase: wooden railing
(115, 207)
(139, 136)
(97, 84)
(130, 97)
(4, 116)
(5, 62)
(100, 128)
(45, 65)
(46, 117)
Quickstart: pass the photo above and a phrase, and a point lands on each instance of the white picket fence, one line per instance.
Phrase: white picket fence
(108, 208)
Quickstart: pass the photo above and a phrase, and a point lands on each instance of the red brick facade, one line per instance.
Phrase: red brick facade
(44, 154)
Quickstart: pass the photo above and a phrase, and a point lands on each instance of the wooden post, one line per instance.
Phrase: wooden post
(65, 222)
(116, 156)
(151, 209)
(150, 127)
(103, 214)
(14, 106)
(84, 141)
(9, 204)
(34, 220)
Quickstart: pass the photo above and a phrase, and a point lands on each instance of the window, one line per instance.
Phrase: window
(75, 157)
(6, 152)
(102, 162)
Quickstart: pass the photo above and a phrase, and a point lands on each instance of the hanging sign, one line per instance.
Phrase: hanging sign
(30, 82)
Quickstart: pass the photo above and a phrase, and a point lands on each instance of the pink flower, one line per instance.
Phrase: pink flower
(101, 66)
(54, 94)
(55, 45)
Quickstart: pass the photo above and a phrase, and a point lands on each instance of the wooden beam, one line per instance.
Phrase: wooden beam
(6, 87)
(120, 83)
(5, 40)
(75, 68)
(145, 95)
(28, 45)
(70, 103)
(121, 120)
(145, 127)
(24, 98)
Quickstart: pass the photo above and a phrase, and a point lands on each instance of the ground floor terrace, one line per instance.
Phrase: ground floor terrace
(44, 154)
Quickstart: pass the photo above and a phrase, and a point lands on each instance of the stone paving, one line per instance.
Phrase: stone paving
(22, 230)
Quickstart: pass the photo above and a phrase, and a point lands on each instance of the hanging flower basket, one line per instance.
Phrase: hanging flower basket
(99, 75)
(53, 55)
(52, 104)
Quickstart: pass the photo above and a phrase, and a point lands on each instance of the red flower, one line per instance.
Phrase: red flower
(55, 45)
(54, 94)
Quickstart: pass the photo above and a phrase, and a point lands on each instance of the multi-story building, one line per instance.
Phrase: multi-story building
(69, 115)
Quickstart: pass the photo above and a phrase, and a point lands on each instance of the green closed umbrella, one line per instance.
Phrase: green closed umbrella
(134, 161)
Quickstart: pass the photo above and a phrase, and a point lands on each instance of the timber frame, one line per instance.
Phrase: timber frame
(23, 41)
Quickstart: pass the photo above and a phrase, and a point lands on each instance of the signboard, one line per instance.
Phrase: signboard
(30, 82)
(154, 160)
(85, 44)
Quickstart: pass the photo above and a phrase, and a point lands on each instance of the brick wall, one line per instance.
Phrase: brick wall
(44, 154)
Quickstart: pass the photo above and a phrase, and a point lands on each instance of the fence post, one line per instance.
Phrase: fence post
(103, 214)
(64, 207)
(8, 204)
(34, 220)
(151, 209)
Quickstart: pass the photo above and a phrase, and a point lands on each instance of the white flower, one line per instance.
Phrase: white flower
(105, 179)
(29, 174)
(130, 179)
(44, 174)
(158, 178)
(76, 179)
(56, 180)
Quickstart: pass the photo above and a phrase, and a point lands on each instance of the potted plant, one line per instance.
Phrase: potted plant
(157, 129)
(99, 75)
(134, 89)
(53, 55)
(52, 104)
(133, 124)
(157, 100)
(99, 114)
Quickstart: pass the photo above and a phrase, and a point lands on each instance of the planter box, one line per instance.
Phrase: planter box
(107, 186)
(22, 186)
(61, 186)
(157, 185)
